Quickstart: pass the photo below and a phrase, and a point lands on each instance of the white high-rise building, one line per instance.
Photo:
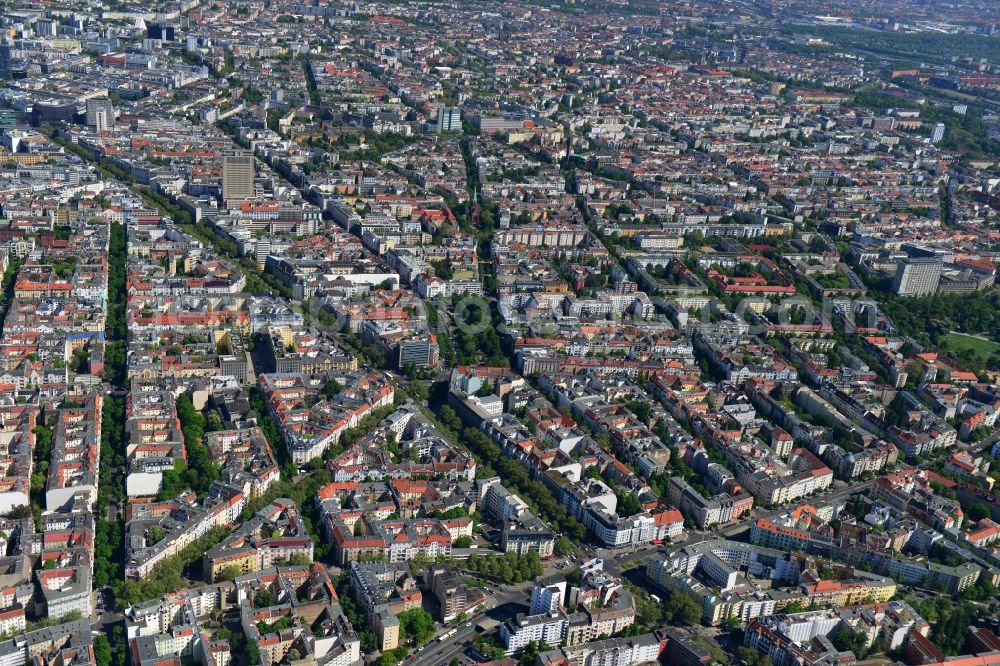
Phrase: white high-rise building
(100, 113)
(517, 632)
(237, 176)
(917, 276)
(547, 599)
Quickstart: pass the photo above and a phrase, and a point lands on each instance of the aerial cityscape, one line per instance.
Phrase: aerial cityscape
(520, 332)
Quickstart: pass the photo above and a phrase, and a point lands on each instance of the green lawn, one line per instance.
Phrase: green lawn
(956, 342)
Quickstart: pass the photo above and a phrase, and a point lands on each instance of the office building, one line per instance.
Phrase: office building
(53, 111)
(100, 113)
(917, 276)
(6, 72)
(164, 33)
(421, 353)
(449, 119)
(237, 176)
(46, 28)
